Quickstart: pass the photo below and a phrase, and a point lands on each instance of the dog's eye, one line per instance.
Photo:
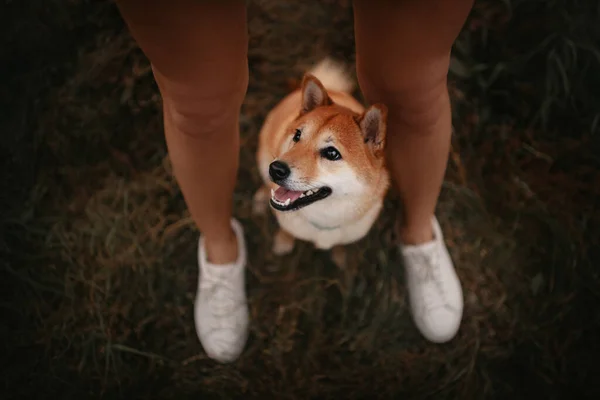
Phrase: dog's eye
(331, 153)
(297, 135)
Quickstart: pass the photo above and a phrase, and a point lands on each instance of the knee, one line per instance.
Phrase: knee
(206, 108)
(414, 100)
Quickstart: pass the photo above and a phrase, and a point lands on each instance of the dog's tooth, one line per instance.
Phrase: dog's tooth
(272, 193)
(309, 193)
(302, 195)
(287, 202)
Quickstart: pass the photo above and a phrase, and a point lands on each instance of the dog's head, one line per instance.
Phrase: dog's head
(332, 158)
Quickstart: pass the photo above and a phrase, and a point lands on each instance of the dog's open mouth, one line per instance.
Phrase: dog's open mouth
(284, 199)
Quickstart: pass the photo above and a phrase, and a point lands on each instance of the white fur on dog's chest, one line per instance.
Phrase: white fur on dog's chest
(323, 236)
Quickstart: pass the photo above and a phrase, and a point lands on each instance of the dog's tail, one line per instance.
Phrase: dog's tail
(333, 75)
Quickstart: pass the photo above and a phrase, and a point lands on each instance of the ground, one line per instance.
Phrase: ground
(99, 253)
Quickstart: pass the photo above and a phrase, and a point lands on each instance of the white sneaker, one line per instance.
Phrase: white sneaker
(434, 290)
(221, 310)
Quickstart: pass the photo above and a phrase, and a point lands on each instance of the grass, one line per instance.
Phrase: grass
(98, 250)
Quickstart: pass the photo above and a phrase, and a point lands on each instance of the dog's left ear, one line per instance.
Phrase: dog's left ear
(313, 94)
(373, 124)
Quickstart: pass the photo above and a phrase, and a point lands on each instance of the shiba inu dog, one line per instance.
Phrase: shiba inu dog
(321, 157)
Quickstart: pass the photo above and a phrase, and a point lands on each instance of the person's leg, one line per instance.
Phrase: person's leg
(403, 53)
(198, 52)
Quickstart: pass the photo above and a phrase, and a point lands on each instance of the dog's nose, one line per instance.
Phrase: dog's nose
(279, 171)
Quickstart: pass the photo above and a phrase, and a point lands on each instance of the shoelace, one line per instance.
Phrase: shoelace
(427, 270)
(221, 294)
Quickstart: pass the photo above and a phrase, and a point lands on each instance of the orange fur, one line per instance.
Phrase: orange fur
(327, 118)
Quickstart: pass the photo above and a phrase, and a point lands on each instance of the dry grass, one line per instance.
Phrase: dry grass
(100, 272)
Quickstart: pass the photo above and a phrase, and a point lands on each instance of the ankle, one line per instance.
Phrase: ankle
(221, 249)
(414, 234)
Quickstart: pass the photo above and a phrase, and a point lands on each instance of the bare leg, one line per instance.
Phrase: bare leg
(198, 50)
(403, 54)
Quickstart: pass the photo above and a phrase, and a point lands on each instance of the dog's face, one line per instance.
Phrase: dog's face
(331, 158)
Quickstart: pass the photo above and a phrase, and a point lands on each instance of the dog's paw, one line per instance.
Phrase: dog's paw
(339, 257)
(283, 243)
(260, 202)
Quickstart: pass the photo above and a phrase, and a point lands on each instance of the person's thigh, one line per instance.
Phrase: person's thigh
(198, 51)
(403, 48)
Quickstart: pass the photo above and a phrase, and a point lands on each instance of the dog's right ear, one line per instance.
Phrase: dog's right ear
(313, 94)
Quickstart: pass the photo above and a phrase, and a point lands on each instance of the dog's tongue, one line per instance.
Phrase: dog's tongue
(282, 194)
